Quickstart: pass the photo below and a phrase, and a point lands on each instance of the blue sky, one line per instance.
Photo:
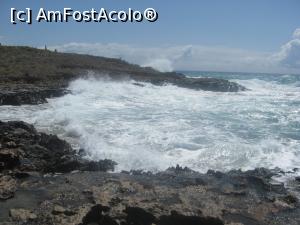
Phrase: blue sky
(197, 35)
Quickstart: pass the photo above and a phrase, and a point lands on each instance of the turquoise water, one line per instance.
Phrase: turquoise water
(277, 78)
(154, 127)
(283, 92)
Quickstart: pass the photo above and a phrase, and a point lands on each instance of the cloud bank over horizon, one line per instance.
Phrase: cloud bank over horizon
(289, 55)
(197, 57)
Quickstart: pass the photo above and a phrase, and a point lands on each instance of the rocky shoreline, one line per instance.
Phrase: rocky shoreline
(30, 76)
(44, 181)
(38, 95)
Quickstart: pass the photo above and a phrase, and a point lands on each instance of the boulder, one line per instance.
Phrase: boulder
(22, 215)
(8, 187)
(9, 158)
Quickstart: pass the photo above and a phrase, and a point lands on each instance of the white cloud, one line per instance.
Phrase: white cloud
(289, 56)
(197, 57)
(163, 65)
(297, 33)
(162, 59)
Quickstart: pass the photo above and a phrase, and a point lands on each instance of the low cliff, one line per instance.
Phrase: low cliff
(29, 75)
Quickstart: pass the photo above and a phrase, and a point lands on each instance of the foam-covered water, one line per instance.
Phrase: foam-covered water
(153, 127)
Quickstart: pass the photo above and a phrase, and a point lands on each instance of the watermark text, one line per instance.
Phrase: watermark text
(92, 15)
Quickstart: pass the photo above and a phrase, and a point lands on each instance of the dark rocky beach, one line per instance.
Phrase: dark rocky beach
(43, 180)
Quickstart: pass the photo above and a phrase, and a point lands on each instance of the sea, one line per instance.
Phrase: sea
(150, 128)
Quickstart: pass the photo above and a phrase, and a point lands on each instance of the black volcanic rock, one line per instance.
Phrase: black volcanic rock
(146, 199)
(19, 97)
(31, 194)
(211, 84)
(23, 148)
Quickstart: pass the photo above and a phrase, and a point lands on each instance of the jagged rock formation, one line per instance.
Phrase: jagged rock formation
(22, 148)
(33, 193)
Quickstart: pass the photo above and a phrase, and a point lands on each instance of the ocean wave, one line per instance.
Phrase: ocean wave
(153, 127)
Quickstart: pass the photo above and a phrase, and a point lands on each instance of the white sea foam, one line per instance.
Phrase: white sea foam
(154, 127)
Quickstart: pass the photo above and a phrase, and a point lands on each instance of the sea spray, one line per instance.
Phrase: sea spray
(153, 127)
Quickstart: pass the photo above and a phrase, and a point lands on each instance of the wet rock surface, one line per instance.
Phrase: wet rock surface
(32, 97)
(22, 148)
(21, 93)
(180, 80)
(33, 192)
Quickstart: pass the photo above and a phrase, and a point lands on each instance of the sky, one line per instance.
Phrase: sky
(232, 35)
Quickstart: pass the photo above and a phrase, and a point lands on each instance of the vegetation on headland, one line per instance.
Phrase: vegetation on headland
(26, 63)
(29, 75)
